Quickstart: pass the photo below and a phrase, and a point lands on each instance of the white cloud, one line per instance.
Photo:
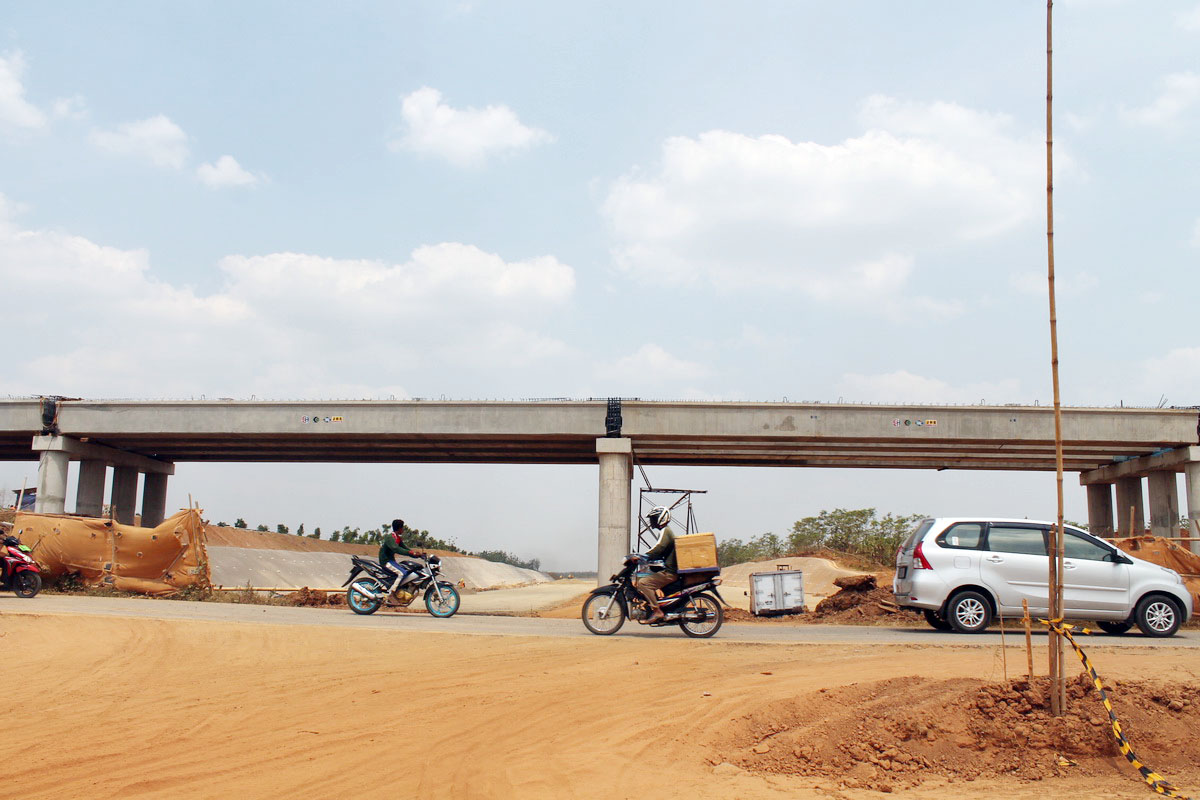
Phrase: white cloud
(650, 372)
(156, 139)
(74, 108)
(1190, 20)
(1180, 91)
(1171, 376)
(654, 365)
(846, 221)
(1036, 284)
(225, 171)
(15, 110)
(464, 137)
(905, 387)
(282, 325)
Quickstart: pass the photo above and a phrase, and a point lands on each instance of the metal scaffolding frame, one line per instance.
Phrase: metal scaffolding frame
(646, 536)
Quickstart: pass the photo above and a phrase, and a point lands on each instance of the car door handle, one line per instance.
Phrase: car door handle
(995, 559)
(1068, 565)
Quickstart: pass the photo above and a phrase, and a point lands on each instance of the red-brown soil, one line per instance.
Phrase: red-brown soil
(897, 733)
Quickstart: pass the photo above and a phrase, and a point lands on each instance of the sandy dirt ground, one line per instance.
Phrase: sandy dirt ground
(113, 707)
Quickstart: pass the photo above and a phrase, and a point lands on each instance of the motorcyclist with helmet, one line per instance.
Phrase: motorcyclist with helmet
(648, 586)
(390, 551)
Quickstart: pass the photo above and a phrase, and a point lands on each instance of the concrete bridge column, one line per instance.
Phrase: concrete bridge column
(616, 473)
(1100, 510)
(124, 494)
(89, 495)
(154, 499)
(52, 483)
(1164, 503)
(1191, 474)
(1129, 496)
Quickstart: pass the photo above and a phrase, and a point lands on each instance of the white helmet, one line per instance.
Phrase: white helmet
(658, 517)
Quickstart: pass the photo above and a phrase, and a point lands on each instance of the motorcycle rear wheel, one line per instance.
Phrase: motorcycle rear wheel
(27, 584)
(447, 605)
(603, 613)
(361, 603)
(711, 613)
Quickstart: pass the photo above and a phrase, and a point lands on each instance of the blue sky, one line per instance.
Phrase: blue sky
(671, 200)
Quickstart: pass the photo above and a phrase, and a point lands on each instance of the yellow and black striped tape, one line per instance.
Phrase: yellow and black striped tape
(1155, 781)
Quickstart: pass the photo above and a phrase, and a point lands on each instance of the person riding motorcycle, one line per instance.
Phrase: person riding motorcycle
(390, 551)
(658, 518)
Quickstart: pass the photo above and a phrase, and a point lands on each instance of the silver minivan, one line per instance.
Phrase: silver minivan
(963, 572)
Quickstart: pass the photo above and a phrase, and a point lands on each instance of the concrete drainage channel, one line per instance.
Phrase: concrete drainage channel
(482, 582)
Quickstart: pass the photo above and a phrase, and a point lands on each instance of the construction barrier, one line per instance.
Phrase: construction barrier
(1156, 782)
(104, 553)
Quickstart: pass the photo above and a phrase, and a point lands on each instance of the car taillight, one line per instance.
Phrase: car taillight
(919, 560)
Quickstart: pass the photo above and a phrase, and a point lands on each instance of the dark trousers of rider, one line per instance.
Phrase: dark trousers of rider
(648, 586)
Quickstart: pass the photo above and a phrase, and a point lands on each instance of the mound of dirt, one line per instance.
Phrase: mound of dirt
(895, 734)
(860, 597)
(315, 598)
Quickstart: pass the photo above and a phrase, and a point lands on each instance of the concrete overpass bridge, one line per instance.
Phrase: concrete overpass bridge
(1109, 447)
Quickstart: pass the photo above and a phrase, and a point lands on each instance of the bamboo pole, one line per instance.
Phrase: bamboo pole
(1003, 649)
(1058, 687)
(1028, 640)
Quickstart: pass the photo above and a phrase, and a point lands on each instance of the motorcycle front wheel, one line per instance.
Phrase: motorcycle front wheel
(702, 616)
(603, 614)
(443, 606)
(27, 584)
(358, 599)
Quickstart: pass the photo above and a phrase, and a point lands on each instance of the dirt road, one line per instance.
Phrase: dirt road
(138, 707)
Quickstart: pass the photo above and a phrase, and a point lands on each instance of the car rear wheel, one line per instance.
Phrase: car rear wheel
(969, 612)
(936, 621)
(1158, 616)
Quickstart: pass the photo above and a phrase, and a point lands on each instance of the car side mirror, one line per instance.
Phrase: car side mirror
(1118, 558)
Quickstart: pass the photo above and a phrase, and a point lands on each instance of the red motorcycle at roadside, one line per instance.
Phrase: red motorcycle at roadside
(19, 573)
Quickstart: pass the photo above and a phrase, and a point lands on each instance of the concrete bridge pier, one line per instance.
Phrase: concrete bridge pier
(1100, 510)
(58, 452)
(124, 494)
(616, 475)
(89, 494)
(154, 499)
(1164, 503)
(1129, 496)
(52, 483)
(1191, 475)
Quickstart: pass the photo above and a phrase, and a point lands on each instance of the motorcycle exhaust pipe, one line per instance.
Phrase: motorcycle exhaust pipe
(364, 590)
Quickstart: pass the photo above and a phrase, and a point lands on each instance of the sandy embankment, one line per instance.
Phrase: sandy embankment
(135, 708)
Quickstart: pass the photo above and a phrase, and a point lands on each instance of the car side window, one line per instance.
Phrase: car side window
(964, 535)
(1082, 549)
(1003, 539)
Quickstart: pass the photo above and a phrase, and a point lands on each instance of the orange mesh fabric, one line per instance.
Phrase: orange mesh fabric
(101, 552)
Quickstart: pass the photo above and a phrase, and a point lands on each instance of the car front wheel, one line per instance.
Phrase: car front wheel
(1158, 616)
(969, 612)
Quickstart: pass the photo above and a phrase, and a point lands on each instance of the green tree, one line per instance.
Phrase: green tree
(300, 530)
(336, 536)
(316, 534)
(857, 531)
(241, 523)
(506, 558)
(281, 528)
(262, 528)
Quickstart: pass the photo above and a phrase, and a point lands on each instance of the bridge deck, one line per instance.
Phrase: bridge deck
(564, 432)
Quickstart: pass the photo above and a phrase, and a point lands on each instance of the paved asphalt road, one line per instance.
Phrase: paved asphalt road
(480, 625)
